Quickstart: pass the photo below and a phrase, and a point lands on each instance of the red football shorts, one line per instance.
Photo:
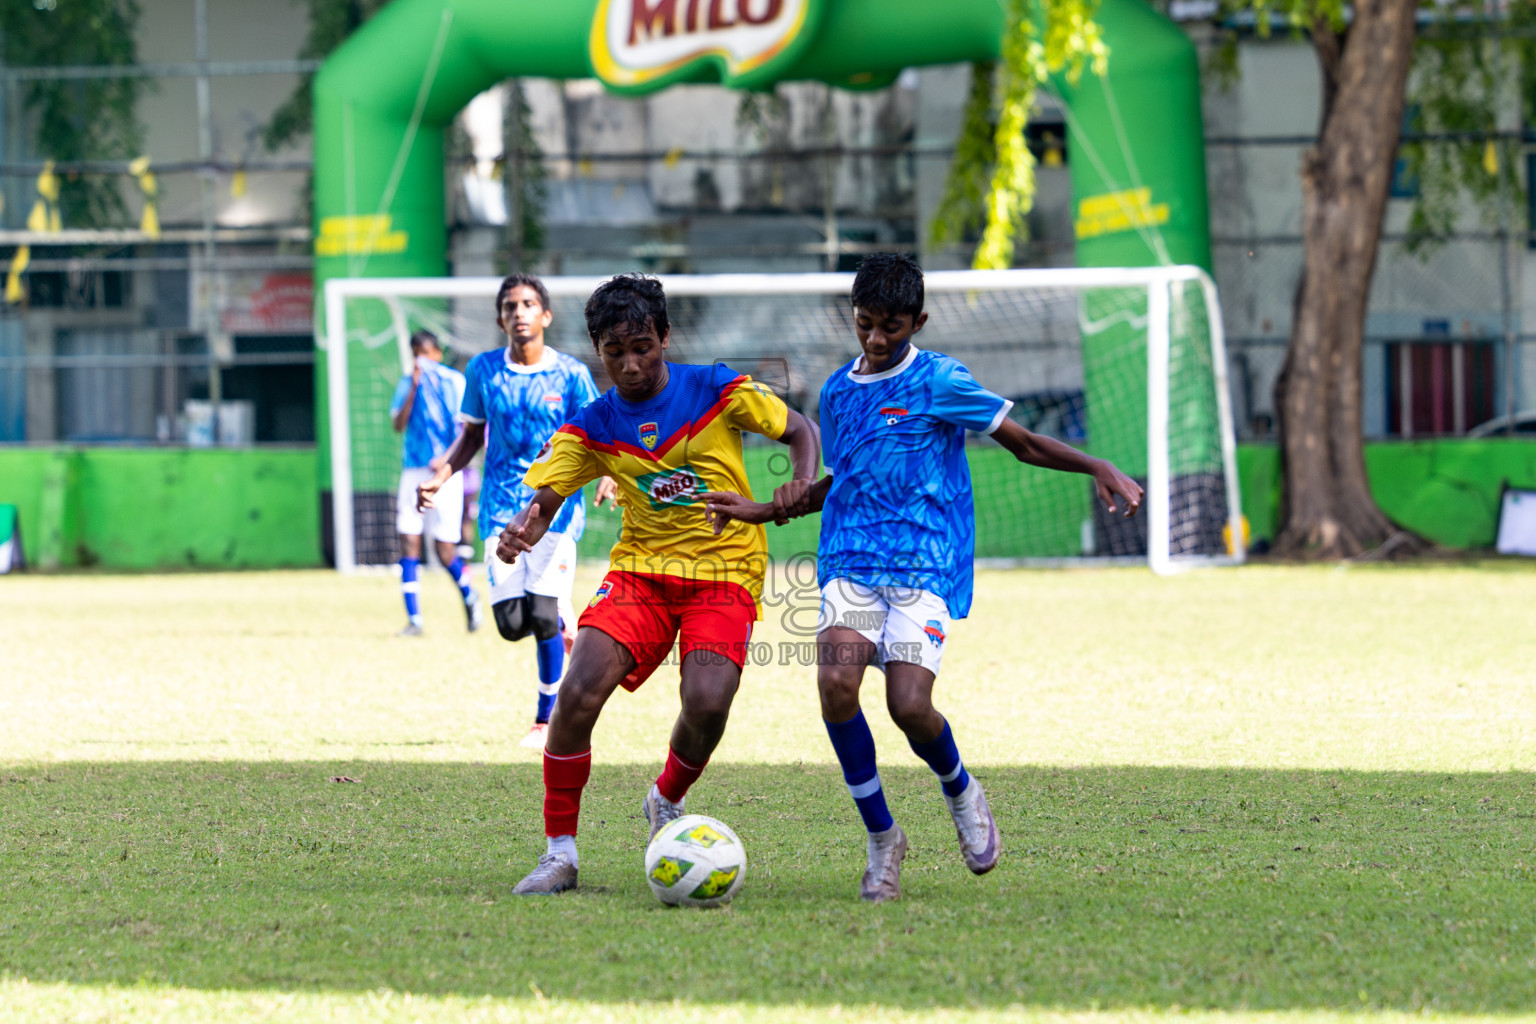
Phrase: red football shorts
(646, 612)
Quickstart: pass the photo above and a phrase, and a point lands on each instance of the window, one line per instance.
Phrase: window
(1439, 387)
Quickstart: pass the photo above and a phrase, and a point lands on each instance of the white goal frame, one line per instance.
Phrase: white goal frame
(1156, 280)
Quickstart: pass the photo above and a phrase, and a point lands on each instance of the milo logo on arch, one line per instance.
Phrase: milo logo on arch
(680, 486)
(641, 45)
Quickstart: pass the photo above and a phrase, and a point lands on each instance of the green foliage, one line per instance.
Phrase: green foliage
(529, 192)
(83, 119)
(1067, 41)
(1464, 67)
(1462, 71)
(959, 214)
(758, 113)
(330, 23)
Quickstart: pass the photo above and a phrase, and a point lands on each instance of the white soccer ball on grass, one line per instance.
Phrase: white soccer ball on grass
(696, 861)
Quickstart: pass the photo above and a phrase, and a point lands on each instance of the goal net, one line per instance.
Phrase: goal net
(1127, 364)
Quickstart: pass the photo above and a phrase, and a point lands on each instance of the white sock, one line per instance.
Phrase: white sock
(656, 792)
(564, 845)
(880, 840)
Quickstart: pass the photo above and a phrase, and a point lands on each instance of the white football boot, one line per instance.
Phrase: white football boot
(882, 877)
(555, 873)
(660, 811)
(979, 841)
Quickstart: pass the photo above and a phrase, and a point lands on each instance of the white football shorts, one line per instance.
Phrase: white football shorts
(446, 513)
(904, 623)
(548, 570)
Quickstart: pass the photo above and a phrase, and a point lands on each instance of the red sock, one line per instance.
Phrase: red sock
(564, 778)
(677, 776)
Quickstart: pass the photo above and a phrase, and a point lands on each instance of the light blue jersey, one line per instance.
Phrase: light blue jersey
(521, 406)
(899, 512)
(432, 425)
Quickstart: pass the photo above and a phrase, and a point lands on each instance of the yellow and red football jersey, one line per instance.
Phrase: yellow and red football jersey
(664, 453)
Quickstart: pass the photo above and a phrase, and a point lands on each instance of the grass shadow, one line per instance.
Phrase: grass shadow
(1119, 887)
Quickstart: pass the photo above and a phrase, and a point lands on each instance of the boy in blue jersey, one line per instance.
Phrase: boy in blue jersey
(426, 406)
(894, 561)
(516, 398)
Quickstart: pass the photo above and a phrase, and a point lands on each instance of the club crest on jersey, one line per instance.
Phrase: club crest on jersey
(892, 414)
(680, 486)
(934, 632)
(603, 590)
(650, 433)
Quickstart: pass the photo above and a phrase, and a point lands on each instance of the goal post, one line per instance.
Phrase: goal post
(1126, 363)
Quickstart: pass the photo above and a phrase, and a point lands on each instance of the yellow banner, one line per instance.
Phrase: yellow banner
(149, 222)
(1113, 212)
(358, 236)
(14, 292)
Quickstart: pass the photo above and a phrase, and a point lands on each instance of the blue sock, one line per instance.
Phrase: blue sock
(551, 657)
(410, 589)
(855, 747)
(456, 570)
(944, 758)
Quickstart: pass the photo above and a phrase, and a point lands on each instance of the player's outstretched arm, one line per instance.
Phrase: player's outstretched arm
(792, 499)
(1049, 453)
(720, 507)
(471, 438)
(530, 525)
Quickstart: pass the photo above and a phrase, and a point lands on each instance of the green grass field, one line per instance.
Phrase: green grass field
(1286, 794)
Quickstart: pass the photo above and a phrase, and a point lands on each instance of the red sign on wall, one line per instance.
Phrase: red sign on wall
(268, 303)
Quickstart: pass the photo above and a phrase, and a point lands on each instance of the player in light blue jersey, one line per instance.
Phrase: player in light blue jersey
(897, 543)
(426, 409)
(516, 398)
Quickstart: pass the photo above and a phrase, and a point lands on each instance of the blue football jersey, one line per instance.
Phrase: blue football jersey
(521, 406)
(899, 512)
(432, 425)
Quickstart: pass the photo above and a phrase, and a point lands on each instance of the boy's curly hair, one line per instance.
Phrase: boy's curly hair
(889, 282)
(628, 303)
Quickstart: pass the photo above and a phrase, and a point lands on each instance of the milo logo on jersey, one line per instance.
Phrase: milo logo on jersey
(892, 414)
(680, 486)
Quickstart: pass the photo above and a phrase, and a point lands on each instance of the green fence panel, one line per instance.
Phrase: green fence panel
(164, 508)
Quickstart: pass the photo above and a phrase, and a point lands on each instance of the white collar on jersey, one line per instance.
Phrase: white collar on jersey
(546, 361)
(888, 372)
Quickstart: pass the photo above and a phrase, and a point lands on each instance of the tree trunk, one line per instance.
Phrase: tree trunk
(1327, 510)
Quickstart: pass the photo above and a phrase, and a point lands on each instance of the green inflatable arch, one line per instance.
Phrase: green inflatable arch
(384, 99)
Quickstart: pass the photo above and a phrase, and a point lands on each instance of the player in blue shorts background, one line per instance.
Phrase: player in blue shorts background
(425, 408)
(894, 560)
(516, 397)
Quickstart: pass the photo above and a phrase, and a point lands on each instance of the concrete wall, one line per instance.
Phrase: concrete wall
(237, 31)
(648, 192)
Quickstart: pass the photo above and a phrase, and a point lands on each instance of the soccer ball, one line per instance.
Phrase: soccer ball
(695, 861)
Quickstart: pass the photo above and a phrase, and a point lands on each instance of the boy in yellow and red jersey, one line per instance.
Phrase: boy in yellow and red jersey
(668, 433)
